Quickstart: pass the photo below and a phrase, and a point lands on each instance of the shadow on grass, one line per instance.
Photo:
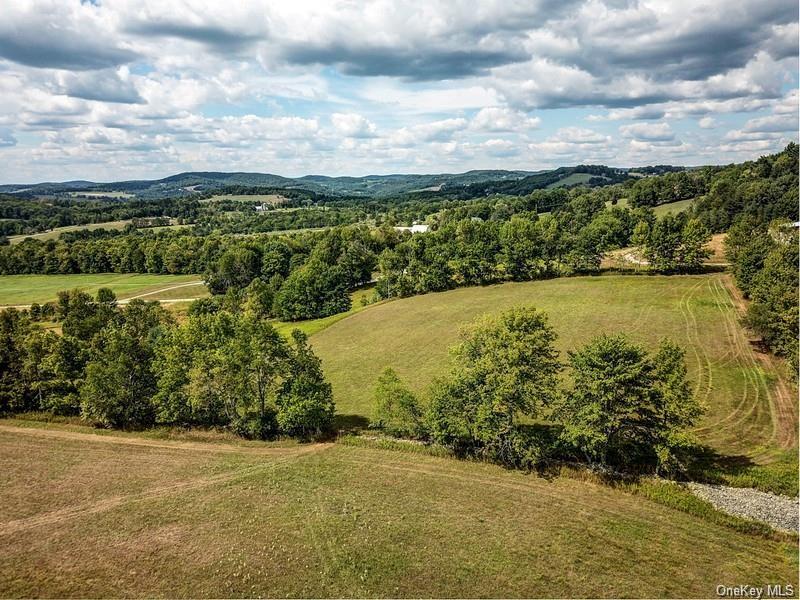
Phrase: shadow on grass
(779, 475)
(644, 271)
(709, 466)
(350, 423)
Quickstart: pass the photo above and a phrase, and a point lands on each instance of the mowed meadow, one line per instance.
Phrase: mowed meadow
(751, 408)
(119, 515)
(22, 290)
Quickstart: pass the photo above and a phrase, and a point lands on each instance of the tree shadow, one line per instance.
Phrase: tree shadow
(350, 423)
(709, 466)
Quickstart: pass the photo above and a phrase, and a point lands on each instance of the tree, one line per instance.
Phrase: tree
(120, 382)
(522, 249)
(14, 326)
(641, 233)
(601, 414)
(313, 291)
(506, 369)
(236, 268)
(107, 297)
(693, 251)
(396, 408)
(747, 246)
(305, 402)
(675, 243)
(663, 243)
(773, 312)
(81, 316)
(628, 409)
(37, 372)
(675, 408)
(252, 369)
(259, 298)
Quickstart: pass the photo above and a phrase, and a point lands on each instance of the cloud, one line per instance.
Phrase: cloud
(103, 86)
(353, 125)
(206, 34)
(140, 86)
(774, 123)
(59, 35)
(224, 27)
(572, 144)
(498, 118)
(640, 112)
(435, 131)
(414, 64)
(684, 40)
(500, 148)
(648, 132)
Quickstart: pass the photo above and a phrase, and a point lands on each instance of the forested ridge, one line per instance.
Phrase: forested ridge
(488, 240)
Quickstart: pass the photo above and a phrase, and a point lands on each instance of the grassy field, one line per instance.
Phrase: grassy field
(25, 289)
(672, 207)
(313, 326)
(751, 408)
(572, 179)
(120, 195)
(89, 515)
(273, 199)
(54, 233)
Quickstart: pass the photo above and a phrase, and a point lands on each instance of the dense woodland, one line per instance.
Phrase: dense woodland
(133, 366)
(20, 215)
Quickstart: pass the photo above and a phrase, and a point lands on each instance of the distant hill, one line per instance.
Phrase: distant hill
(463, 185)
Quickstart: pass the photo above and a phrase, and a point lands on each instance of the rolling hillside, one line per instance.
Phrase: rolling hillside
(470, 184)
(94, 515)
(751, 409)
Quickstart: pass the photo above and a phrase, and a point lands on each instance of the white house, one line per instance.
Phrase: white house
(415, 228)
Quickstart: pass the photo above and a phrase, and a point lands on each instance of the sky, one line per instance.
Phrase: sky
(125, 89)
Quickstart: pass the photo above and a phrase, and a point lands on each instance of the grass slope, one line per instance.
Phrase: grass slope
(672, 207)
(25, 289)
(273, 199)
(412, 336)
(312, 326)
(114, 515)
(54, 233)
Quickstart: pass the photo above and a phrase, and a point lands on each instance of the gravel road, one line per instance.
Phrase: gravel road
(781, 512)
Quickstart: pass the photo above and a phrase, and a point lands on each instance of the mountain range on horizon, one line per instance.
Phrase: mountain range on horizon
(493, 180)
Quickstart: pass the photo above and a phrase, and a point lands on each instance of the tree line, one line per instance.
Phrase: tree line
(624, 407)
(310, 275)
(764, 260)
(21, 215)
(526, 246)
(133, 366)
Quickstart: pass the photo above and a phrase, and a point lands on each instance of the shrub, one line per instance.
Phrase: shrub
(397, 410)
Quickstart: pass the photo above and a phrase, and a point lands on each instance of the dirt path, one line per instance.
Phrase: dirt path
(221, 448)
(91, 508)
(276, 456)
(785, 398)
(166, 289)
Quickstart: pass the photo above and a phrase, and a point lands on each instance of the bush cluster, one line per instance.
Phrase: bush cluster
(625, 409)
